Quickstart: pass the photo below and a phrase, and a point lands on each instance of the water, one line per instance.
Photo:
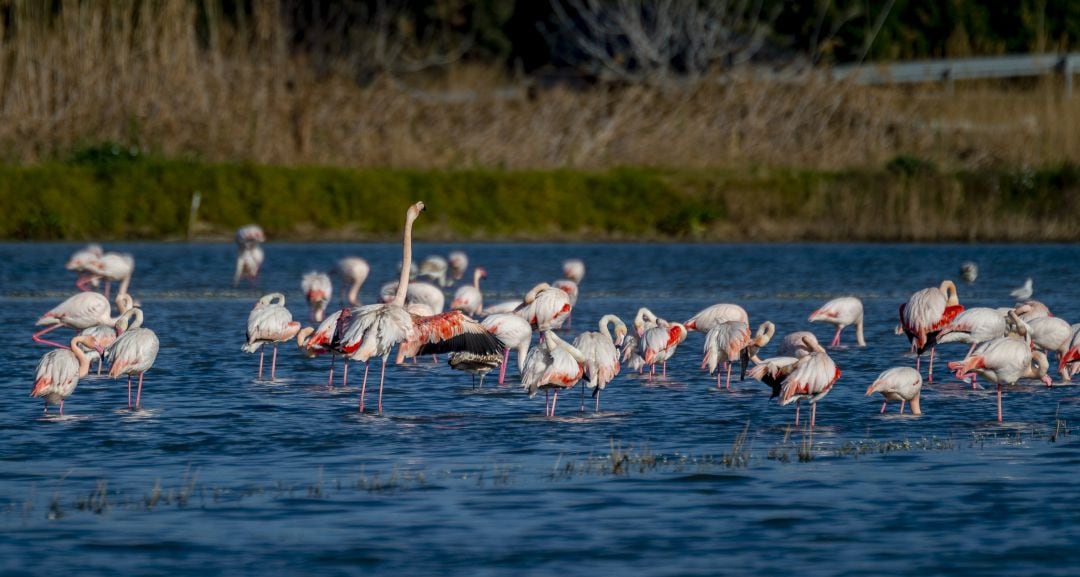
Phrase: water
(220, 474)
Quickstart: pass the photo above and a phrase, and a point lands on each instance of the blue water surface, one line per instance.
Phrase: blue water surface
(220, 474)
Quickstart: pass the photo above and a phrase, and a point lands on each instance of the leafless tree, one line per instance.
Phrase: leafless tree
(657, 41)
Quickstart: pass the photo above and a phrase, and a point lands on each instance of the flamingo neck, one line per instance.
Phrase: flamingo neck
(862, 342)
(84, 361)
(354, 292)
(476, 278)
(406, 262)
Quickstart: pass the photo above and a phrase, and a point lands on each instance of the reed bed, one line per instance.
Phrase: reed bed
(176, 79)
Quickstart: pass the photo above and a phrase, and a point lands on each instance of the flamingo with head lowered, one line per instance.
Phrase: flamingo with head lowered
(553, 364)
(1004, 361)
(601, 356)
(354, 270)
(842, 312)
(373, 330)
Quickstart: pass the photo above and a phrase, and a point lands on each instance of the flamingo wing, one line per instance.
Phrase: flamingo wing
(454, 331)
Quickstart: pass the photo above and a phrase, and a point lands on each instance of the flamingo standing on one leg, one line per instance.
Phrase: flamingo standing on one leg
(377, 328)
(269, 322)
(515, 333)
(601, 356)
(133, 352)
(925, 314)
(59, 371)
(842, 312)
(902, 384)
(354, 270)
(80, 311)
(318, 290)
(552, 364)
(1003, 361)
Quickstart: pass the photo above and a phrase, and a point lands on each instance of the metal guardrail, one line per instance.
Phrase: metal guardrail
(963, 69)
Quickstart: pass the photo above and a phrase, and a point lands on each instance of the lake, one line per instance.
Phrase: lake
(222, 475)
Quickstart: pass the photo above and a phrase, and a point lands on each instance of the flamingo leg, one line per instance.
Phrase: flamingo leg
(46, 408)
(798, 403)
(138, 393)
(100, 360)
(664, 373)
(718, 380)
(273, 364)
(502, 369)
(583, 396)
(129, 391)
(382, 375)
(345, 373)
(547, 403)
(999, 401)
(37, 337)
(813, 414)
(108, 283)
(61, 407)
(261, 352)
(901, 406)
(971, 350)
(330, 381)
(727, 381)
(883, 406)
(363, 386)
(918, 359)
(554, 399)
(597, 409)
(930, 371)
(836, 338)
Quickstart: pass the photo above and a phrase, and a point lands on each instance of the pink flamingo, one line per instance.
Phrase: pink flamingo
(354, 270)
(710, 317)
(114, 266)
(571, 289)
(458, 261)
(573, 269)
(601, 356)
(59, 371)
(377, 328)
(659, 344)
(324, 339)
(730, 341)
(798, 344)
(545, 307)
(81, 262)
(468, 298)
(925, 314)
(269, 322)
(1004, 360)
(133, 352)
(249, 262)
(80, 311)
(812, 378)
(902, 384)
(842, 312)
(1071, 355)
(1051, 334)
(318, 290)
(553, 364)
(513, 332)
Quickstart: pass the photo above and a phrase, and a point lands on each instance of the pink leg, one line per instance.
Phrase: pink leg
(554, 399)
(61, 407)
(813, 414)
(261, 351)
(727, 382)
(836, 338)
(582, 395)
(797, 404)
(138, 394)
(999, 401)
(883, 406)
(930, 371)
(382, 375)
(363, 386)
(918, 358)
(435, 359)
(46, 408)
(502, 369)
(902, 406)
(718, 381)
(101, 359)
(83, 281)
(37, 337)
(664, 374)
(273, 364)
(129, 391)
(597, 409)
(345, 373)
(547, 402)
(330, 381)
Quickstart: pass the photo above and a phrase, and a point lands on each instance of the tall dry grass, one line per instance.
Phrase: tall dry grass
(175, 78)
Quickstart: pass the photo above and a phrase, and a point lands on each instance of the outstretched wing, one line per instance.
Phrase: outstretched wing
(454, 331)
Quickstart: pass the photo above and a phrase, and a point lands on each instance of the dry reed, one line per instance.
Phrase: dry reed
(175, 78)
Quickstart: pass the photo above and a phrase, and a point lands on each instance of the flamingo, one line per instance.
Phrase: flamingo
(969, 271)
(772, 371)
(377, 328)
(545, 307)
(812, 378)
(645, 320)
(730, 341)
(114, 266)
(1030, 310)
(133, 352)
(513, 332)
(630, 354)
(574, 270)
(710, 317)
(435, 268)
(925, 314)
(80, 311)
(898, 384)
(474, 363)
(322, 340)
(571, 289)
(798, 344)
(975, 325)
(81, 262)
(410, 346)
(269, 322)
(659, 344)
(1023, 292)
(552, 364)
(601, 356)
(468, 298)
(249, 262)
(842, 312)
(1003, 361)
(355, 271)
(1071, 355)
(59, 371)
(459, 261)
(317, 289)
